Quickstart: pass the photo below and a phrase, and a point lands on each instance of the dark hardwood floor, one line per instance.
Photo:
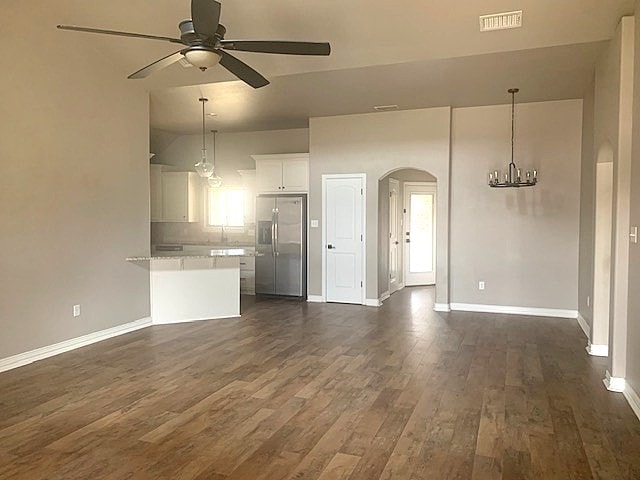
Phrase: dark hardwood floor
(311, 391)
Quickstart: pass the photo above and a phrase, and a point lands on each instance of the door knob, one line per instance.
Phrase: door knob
(408, 240)
(330, 247)
(396, 243)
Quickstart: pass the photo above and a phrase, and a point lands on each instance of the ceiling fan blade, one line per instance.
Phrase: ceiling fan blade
(241, 70)
(157, 65)
(205, 15)
(119, 34)
(282, 47)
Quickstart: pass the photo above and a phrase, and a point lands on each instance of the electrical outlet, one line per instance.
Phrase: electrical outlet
(480, 285)
(76, 310)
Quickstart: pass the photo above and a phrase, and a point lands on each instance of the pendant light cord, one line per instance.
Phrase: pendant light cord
(204, 147)
(513, 122)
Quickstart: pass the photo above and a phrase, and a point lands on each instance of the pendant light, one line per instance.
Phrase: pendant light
(203, 167)
(214, 180)
(513, 176)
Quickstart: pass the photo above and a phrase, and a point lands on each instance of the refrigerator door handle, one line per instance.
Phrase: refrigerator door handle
(275, 230)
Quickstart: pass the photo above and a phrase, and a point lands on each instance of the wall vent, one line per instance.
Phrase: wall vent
(501, 21)
(385, 108)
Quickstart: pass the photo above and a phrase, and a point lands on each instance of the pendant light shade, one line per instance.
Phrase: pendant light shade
(214, 180)
(513, 177)
(203, 167)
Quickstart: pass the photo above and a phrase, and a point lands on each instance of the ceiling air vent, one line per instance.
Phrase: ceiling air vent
(501, 21)
(385, 108)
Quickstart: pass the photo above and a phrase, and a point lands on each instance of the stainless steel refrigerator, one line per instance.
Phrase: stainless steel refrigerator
(281, 241)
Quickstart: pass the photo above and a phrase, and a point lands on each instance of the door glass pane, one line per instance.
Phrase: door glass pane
(421, 221)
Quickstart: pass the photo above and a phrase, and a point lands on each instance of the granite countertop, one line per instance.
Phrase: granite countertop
(211, 253)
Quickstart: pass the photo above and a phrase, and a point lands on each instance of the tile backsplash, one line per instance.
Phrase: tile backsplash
(193, 233)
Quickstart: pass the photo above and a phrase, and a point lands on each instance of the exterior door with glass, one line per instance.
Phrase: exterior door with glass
(419, 233)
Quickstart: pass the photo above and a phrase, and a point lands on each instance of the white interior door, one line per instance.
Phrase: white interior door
(420, 234)
(344, 239)
(394, 237)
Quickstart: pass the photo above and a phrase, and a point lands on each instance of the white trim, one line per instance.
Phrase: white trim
(384, 296)
(584, 326)
(633, 399)
(598, 350)
(51, 350)
(510, 310)
(441, 307)
(189, 320)
(372, 302)
(363, 178)
(315, 299)
(614, 384)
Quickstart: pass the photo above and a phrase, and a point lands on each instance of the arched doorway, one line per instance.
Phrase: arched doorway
(407, 230)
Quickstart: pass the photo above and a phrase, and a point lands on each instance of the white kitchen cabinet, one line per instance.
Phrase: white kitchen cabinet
(284, 173)
(180, 196)
(155, 191)
(248, 275)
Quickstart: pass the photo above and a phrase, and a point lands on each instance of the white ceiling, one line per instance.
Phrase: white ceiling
(363, 33)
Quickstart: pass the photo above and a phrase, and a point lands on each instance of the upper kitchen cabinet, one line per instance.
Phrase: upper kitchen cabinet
(180, 196)
(284, 173)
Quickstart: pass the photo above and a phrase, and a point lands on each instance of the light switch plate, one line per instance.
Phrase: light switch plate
(634, 235)
(314, 223)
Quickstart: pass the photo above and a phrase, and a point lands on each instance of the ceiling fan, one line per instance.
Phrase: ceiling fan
(203, 37)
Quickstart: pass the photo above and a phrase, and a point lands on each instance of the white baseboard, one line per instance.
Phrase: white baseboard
(315, 299)
(45, 352)
(441, 307)
(584, 326)
(614, 384)
(189, 320)
(633, 399)
(373, 302)
(384, 296)
(598, 350)
(531, 311)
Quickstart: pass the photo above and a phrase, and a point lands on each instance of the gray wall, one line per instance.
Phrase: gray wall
(633, 339)
(377, 144)
(233, 150)
(523, 243)
(587, 209)
(74, 195)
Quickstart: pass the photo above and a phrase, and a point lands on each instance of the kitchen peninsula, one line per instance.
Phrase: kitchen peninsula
(190, 286)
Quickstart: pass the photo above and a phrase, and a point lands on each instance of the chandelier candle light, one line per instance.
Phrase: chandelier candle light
(513, 176)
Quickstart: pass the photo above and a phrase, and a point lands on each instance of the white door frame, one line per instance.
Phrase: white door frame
(363, 177)
(398, 227)
(405, 253)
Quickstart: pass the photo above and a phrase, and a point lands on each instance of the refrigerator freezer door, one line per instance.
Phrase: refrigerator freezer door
(289, 241)
(265, 245)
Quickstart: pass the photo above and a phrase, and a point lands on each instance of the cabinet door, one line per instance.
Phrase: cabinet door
(269, 175)
(155, 191)
(175, 196)
(295, 175)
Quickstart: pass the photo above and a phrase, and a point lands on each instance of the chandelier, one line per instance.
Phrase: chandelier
(513, 176)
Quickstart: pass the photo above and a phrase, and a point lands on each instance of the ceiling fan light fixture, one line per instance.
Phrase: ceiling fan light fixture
(202, 58)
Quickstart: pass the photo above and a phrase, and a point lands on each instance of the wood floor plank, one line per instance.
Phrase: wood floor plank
(298, 391)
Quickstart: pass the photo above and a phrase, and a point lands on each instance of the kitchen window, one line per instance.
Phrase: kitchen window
(225, 207)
